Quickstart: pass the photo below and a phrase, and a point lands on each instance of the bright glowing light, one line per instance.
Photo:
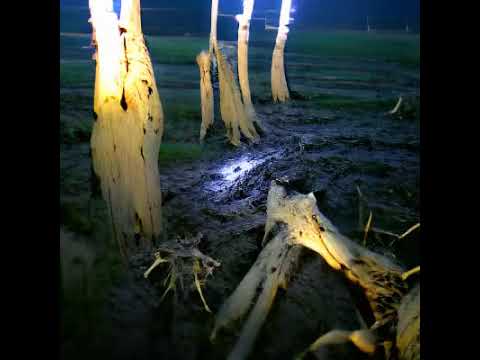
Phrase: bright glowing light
(248, 8)
(285, 12)
(244, 19)
(234, 170)
(213, 24)
(97, 6)
(284, 20)
(105, 24)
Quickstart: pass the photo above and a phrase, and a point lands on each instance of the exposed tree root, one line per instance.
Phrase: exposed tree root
(184, 260)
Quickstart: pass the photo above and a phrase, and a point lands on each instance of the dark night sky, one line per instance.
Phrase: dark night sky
(387, 14)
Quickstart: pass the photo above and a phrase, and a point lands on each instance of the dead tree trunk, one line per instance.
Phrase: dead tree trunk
(234, 114)
(128, 125)
(206, 92)
(237, 118)
(243, 37)
(280, 91)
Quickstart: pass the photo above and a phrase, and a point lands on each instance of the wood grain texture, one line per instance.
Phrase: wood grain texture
(128, 129)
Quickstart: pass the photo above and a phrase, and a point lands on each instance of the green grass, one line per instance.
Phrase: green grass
(390, 47)
(163, 49)
(82, 307)
(336, 102)
(75, 20)
(410, 109)
(74, 46)
(175, 49)
(77, 74)
(403, 49)
(182, 115)
(75, 102)
(177, 75)
(87, 275)
(76, 118)
(73, 216)
(178, 152)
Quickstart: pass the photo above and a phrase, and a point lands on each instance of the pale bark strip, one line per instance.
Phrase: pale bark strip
(280, 92)
(271, 270)
(241, 300)
(206, 92)
(128, 129)
(255, 321)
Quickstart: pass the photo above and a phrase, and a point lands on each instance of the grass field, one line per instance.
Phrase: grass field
(398, 48)
(312, 57)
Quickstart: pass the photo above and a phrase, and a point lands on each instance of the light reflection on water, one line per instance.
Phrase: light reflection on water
(233, 170)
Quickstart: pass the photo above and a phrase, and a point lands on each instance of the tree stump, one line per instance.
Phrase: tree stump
(234, 114)
(128, 125)
(243, 38)
(280, 92)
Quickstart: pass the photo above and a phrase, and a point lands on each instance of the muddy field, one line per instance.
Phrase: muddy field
(333, 138)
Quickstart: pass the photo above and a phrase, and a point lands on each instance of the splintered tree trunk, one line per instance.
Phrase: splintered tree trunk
(280, 91)
(128, 125)
(234, 114)
(206, 92)
(243, 37)
(237, 119)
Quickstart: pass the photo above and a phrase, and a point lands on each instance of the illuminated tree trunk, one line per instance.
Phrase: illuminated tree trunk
(243, 37)
(128, 125)
(206, 92)
(233, 111)
(213, 24)
(280, 91)
(234, 114)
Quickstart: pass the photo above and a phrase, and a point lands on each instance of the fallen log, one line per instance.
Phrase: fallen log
(300, 224)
